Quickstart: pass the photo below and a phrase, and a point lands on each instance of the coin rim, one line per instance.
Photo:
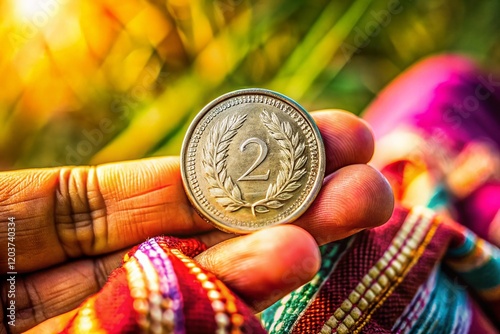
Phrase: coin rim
(321, 158)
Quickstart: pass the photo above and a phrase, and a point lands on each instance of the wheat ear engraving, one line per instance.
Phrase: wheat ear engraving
(292, 166)
(222, 187)
(214, 160)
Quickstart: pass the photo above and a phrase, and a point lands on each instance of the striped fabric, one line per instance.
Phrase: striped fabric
(425, 271)
(396, 285)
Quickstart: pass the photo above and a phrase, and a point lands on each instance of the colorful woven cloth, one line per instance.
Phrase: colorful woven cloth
(396, 278)
(161, 289)
(433, 268)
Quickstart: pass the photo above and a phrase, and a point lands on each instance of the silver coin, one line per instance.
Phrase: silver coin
(252, 158)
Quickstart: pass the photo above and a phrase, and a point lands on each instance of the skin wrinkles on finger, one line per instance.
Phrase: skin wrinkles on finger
(44, 294)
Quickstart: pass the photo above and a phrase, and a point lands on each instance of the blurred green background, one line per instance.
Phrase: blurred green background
(99, 81)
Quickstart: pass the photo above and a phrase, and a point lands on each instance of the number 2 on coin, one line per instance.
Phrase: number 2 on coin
(260, 158)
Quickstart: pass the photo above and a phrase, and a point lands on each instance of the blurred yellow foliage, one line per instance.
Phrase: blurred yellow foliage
(98, 81)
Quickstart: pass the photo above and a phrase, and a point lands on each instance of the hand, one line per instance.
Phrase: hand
(73, 225)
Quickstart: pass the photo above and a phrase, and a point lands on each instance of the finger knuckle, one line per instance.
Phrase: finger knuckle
(79, 209)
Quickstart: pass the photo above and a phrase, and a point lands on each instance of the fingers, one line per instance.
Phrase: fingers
(264, 266)
(49, 293)
(261, 267)
(64, 213)
(353, 198)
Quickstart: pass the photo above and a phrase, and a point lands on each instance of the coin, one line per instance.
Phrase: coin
(252, 158)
